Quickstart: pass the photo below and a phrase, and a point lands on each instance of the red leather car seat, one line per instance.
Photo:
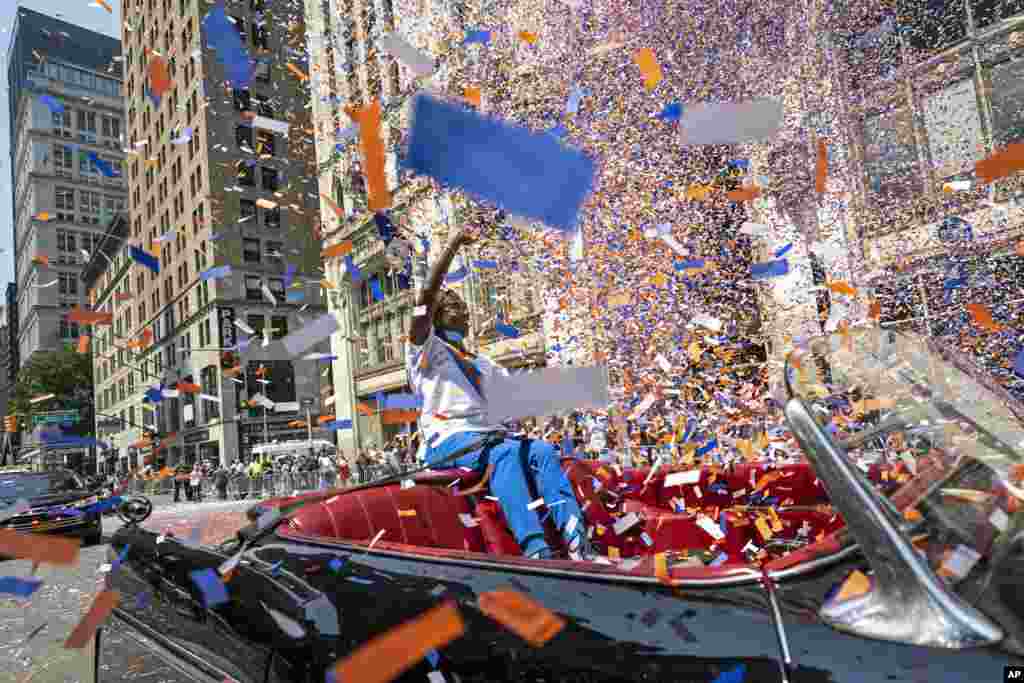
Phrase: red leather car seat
(421, 515)
(497, 537)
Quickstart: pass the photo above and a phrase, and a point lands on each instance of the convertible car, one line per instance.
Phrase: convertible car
(890, 551)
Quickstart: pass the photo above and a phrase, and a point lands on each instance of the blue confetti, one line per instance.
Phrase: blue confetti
(54, 106)
(336, 425)
(143, 258)
(211, 586)
(1018, 364)
(506, 330)
(687, 265)
(375, 290)
(672, 112)
(456, 276)
(572, 105)
(275, 568)
(222, 35)
(782, 250)
(402, 401)
(734, 676)
(761, 271)
(524, 173)
(102, 165)
(215, 273)
(142, 600)
(485, 264)
(478, 37)
(433, 657)
(23, 588)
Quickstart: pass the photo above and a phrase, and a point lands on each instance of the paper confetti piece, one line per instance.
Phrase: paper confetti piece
(222, 35)
(144, 258)
(385, 657)
(649, 67)
(526, 173)
(40, 399)
(98, 613)
(210, 586)
(159, 76)
(727, 123)
(842, 287)
(105, 5)
(472, 95)
(768, 269)
(419, 63)
(22, 588)
(527, 37)
(1001, 164)
(373, 154)
(855, 585)
(477, 37)
(982, 317)
(299, 73)
(821, 167)
(335, 250)
(744, 194)
(308, 335)
(530, 620)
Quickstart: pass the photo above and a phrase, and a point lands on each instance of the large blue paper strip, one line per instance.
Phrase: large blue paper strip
(760, 271)
(143, 258)
(222, 35)
(526, 173)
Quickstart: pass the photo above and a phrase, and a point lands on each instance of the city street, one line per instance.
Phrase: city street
(32, 632)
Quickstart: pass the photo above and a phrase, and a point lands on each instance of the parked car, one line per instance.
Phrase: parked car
(59, 502)
(904, 568)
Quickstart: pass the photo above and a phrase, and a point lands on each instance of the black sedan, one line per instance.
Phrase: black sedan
(891, 550)
(50, 502)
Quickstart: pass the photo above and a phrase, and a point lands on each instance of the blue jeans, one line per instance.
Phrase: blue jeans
(514, 461)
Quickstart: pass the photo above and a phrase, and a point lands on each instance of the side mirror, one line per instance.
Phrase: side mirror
(906, 602)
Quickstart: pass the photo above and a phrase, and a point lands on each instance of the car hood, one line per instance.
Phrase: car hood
(52, 500)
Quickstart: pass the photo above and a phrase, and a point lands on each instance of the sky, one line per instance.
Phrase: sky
(78, 12)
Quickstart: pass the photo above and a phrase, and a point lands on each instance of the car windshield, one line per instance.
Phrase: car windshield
(34, 484)
(941, 440)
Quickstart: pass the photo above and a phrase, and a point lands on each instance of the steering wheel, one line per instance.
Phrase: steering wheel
(135, 510)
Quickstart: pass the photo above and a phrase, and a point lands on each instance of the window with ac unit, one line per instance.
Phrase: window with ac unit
(251, 250)
(62, 157)
(253, 290)
(111, 126)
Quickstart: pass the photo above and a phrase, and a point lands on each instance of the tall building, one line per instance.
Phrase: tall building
(65, 114)
(375, 308)
(220, 174)
(936, 91)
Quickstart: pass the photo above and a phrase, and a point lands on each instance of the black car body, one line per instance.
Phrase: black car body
(59, 502)
(322, 579)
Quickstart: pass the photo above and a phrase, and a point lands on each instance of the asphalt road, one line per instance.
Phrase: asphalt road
(30, 654)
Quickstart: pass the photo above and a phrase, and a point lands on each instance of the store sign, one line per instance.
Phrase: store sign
(289, 407)
(197, 436)
(226, 320)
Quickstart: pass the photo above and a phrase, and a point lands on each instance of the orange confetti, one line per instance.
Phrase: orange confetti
(42, 260)
(80, 315)
(821, 170)
(649, 67)
(528, 619)
(399, 417)
(42, 216)
(299, 73)
(661, 565)
(105, 5)
(855, 585)
(875, 310)
(842, 287)
(324, 418)
(189, 388)
(364, 409)
(340, 249)
(528, 37)
(373, 154)
(101, 608)
(744, 194)
(386, 656)
(472, 95)
(159, 76)
(982, 317)
(52, 549)
(1001, 164)
(1019, 249)
(83, 343)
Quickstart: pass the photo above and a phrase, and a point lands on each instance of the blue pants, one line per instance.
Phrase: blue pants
(514, 461)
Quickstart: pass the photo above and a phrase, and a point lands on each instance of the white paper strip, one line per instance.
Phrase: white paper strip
(268, 294)
(548, 391)
(308, 335)
(171, 393)
(754, 229)
(663, 363)
(730, 123)
(207, 397)
(270, 124)
(535, 504)
(713, 324)
(243, 327)
(709, 525)
(420, 63)
(683, 478)
(676, 247)
(624, 523)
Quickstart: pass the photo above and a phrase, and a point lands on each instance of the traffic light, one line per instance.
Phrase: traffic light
(228, 360)
(11, 424)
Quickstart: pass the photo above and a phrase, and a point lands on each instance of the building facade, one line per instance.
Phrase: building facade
(375, 306)
(210, 188)
(65, 113)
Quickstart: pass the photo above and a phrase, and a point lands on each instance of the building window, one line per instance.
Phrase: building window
(262, 71)
(242, 100)
(67, 284)
(256, 323)
(243, 137)
(276, 286)
(280, 376)
(953, 125)
(211, 387)
(87, 121)
(68, 330)
(247, 175)
(62, 119)
(263, 107)
(890, 153)
(253, 289)
(273, 249)
(272, 217)
(65, 199)
(62, 157)
(279, 326)
(251, 250)
(246, 209)
(1007, 100)
(111, 127)
(270, 178)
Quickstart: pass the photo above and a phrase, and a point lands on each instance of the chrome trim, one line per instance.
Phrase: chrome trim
(908, 604)
(173, 654)
(741, 577)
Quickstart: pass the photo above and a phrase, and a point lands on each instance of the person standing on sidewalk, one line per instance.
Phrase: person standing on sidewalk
(181, 482)
(220, 480)
(195, 482)
(326, 470)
